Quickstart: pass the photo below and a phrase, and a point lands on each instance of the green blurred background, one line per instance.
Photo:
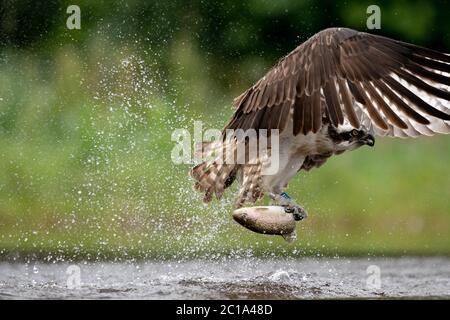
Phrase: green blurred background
(86, 118)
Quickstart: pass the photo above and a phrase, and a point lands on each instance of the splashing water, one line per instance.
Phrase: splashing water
(246, 278)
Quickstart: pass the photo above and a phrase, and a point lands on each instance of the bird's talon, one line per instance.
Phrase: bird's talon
(289, 210)
(290, 206)
(298, 212)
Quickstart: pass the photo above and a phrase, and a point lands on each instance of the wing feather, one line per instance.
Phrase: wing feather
(348, 104)
(298, 113)
(407, 110)
(415, 100)
(316, 112)
(387, 111)
(333, 105)
(340, 75)
(373, 113)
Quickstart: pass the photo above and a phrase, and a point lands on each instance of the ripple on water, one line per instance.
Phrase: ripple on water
(231, 279)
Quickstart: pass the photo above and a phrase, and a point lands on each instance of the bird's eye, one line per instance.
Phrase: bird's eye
(354, 132)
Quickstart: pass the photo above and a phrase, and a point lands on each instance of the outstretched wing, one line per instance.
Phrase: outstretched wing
(341, 75)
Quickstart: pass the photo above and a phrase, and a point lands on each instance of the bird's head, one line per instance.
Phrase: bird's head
(350, 138)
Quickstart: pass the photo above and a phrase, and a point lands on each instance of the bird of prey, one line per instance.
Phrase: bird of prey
(333, 93)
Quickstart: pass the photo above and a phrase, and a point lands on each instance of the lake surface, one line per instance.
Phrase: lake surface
(230, 279)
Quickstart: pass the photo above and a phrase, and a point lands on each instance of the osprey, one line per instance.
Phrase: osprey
(333, 93)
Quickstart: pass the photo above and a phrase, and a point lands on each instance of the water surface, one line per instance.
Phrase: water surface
(230, 279)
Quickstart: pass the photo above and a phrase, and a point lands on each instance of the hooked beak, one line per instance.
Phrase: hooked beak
(369, 140)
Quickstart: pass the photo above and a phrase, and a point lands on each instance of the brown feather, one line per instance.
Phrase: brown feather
(266, 96)
(273, 94)
(301, 83)
(275, 113)
(373, 113)
(256, 121)
(250, 120)
(256, 102)
(407, 110)
(355, 63)
(307, 115)
(333, 106)
(423, 85)
(266, 119)
(425, 73)
(284, 116)
(239, 99)
(298, 114)
(387, 111)
(432, 64)
(289, 88)
(433, 54)
(316, 112)
(348, 104)
(355, 92)
(245, 105)
(249, 104)
(416, 100)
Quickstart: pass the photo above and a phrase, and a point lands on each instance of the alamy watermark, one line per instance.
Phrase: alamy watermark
(74, 277)
(374, 20)
(230, 147)
(373, 280)
(74, 20)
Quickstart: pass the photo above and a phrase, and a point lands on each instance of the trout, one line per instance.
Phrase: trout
(273, 220)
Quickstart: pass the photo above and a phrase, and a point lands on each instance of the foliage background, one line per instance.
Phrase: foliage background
(86, 118)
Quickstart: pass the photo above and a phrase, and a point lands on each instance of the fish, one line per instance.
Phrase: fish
(271, 220)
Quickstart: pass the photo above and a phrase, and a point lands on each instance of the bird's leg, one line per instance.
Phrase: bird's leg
(282, 199)
(290, 206)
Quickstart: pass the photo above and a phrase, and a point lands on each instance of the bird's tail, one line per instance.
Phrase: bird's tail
(213, 175)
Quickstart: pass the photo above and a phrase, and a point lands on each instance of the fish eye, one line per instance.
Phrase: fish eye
(354, 132)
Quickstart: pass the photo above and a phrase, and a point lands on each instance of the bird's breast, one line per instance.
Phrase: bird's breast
(311, 144)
